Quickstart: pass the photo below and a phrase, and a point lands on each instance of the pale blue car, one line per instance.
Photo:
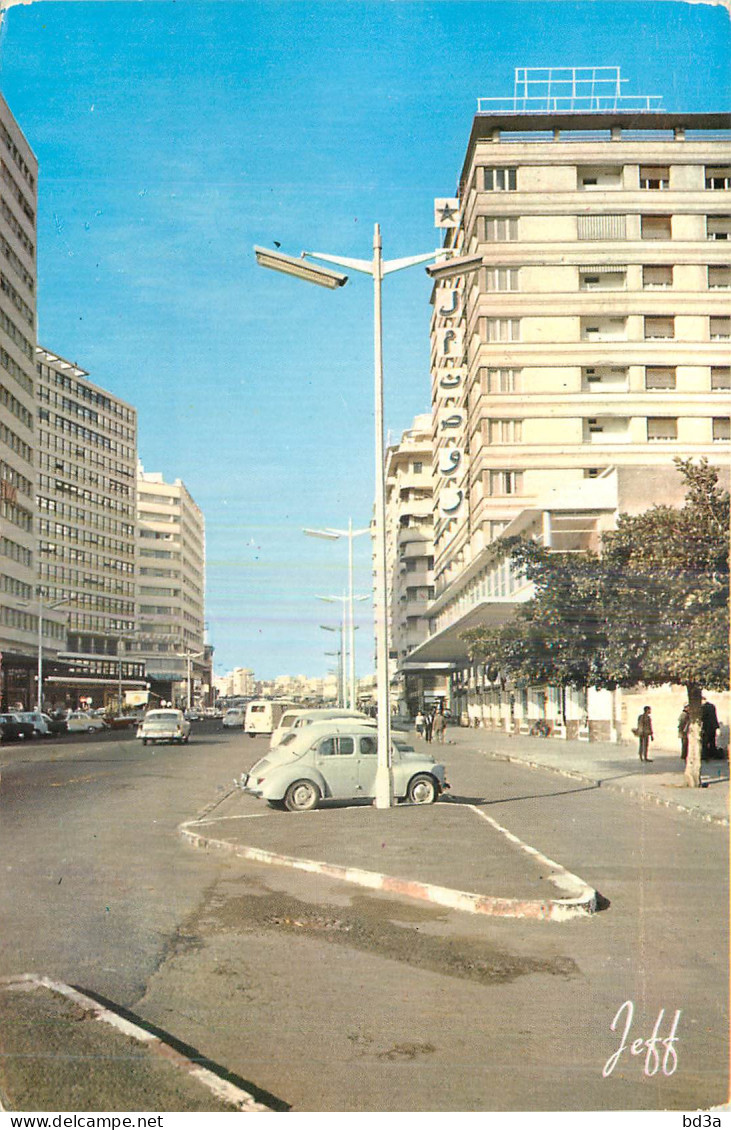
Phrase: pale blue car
(337, 760)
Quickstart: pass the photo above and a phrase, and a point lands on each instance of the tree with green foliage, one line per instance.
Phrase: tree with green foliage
(652, 607)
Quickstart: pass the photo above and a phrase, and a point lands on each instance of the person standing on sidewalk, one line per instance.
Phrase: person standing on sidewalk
(644, 733)
(428, 724)
(439, 726)
(683, 728)
(709, 728)
(419, 724)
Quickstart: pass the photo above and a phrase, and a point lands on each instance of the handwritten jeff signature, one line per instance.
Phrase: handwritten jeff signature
(647, 1047)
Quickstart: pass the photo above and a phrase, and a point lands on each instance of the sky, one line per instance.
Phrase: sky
(173, 135)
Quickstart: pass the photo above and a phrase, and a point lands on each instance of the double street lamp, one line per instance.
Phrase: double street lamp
(377, 268)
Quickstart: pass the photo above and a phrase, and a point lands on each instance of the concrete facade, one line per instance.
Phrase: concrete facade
(18, 537)
(87, 456)
(170, 596)
(590, 349)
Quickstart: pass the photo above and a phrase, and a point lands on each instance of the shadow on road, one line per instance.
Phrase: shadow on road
(191, 1053)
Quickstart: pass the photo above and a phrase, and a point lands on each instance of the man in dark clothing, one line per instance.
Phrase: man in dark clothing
(644, 733)
(709, 728)
(683, 728)
(428, 724)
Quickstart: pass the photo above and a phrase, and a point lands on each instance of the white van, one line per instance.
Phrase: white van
(295, 718)
(262, 716)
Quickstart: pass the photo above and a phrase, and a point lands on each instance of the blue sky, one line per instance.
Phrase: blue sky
(172, 136)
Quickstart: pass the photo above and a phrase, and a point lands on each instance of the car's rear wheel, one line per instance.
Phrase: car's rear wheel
(422, 789)
(301, 796)
(90, 729)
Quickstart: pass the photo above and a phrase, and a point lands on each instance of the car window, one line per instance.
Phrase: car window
(368, 745)
(346, 747)
(326, 747)
(287, 720)
(257, 710)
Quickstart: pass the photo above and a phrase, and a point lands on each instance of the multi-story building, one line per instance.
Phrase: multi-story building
(170, 554)
(592, 346)
(87, 458)
(243, 682)
(410, 562)
(18, 537)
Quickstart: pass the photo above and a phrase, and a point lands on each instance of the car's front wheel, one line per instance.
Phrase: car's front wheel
(90, 729)
(422, 789)
(301, 796)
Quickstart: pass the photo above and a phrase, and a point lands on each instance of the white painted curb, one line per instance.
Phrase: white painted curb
(582, 898)
(227, 1092)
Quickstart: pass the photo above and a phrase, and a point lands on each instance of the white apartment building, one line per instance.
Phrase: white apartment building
(410, 562)
(18, 536)
(170, 561)
(590, 349)
(87, 455)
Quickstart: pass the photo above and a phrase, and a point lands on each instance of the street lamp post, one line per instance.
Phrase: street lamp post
(377, 269)
(350, 629)
(341, 666)
(189, 655)
(41, 607)
(335, 535)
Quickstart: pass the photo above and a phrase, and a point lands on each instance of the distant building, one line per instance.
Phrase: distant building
(243, 682)
(87, 454)
(170, 557)
(410, 563)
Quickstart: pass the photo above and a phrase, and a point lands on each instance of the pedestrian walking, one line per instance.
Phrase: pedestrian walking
(683, 728)
(709, 729)
(419, 724)
(428, 724)
(440, 725)
(644, 733)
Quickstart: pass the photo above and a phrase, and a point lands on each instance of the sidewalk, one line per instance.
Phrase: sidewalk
(612, 766)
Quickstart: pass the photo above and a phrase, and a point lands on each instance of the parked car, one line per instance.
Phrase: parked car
(14, 728)
(193, 715)
(337, 759)
(38, 720)
(79, 722)
(234, 718)
(297, 717)
(164, 726)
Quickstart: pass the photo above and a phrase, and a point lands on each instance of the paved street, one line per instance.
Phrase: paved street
(329, 997)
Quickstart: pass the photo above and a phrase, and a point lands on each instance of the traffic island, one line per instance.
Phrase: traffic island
(451, 854)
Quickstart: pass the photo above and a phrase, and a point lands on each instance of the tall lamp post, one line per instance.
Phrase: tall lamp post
(377, 268)
(335, 535)
(189, 655)
(341, 664)
(42, 607)
(349, 629)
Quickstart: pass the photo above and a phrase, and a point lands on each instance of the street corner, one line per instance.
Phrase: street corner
(62, 1049)
(451, 854)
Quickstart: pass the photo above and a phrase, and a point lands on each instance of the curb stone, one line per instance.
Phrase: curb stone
(225, 1091)
(634, 794)
(581, 903)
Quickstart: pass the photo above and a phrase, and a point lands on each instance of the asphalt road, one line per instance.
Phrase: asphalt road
(333, 999)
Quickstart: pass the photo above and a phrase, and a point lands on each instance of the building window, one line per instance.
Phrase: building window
(719, 278)
(657, 278)
(601, 227)
(662, 428)
(501, 329)
(501, 229)
(721, 429)
(501, 380)
(500, 180)
(502, 278)
(720, 329)
(496, 529)
(657, 227)
(718, 176)
(720, 377)
(505, 431)
(594, 178)
(602, 278)
(660, 376)
(417, 468)
(657, 327)
(654, 176)
(506, 482)
(718, 227)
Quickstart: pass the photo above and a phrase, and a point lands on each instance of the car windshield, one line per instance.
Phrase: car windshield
(287, 720)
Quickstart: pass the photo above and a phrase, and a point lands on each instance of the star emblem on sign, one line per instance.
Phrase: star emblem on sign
(447, 212)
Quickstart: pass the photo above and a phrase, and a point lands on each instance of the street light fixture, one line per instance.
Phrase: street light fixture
(377, 268)
(341, 665)
(189, 656)
(299, 268)
(453, 268)
(42, 606)
(330, 534)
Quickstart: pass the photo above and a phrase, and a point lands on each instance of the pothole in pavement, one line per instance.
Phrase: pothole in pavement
(471, 959)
